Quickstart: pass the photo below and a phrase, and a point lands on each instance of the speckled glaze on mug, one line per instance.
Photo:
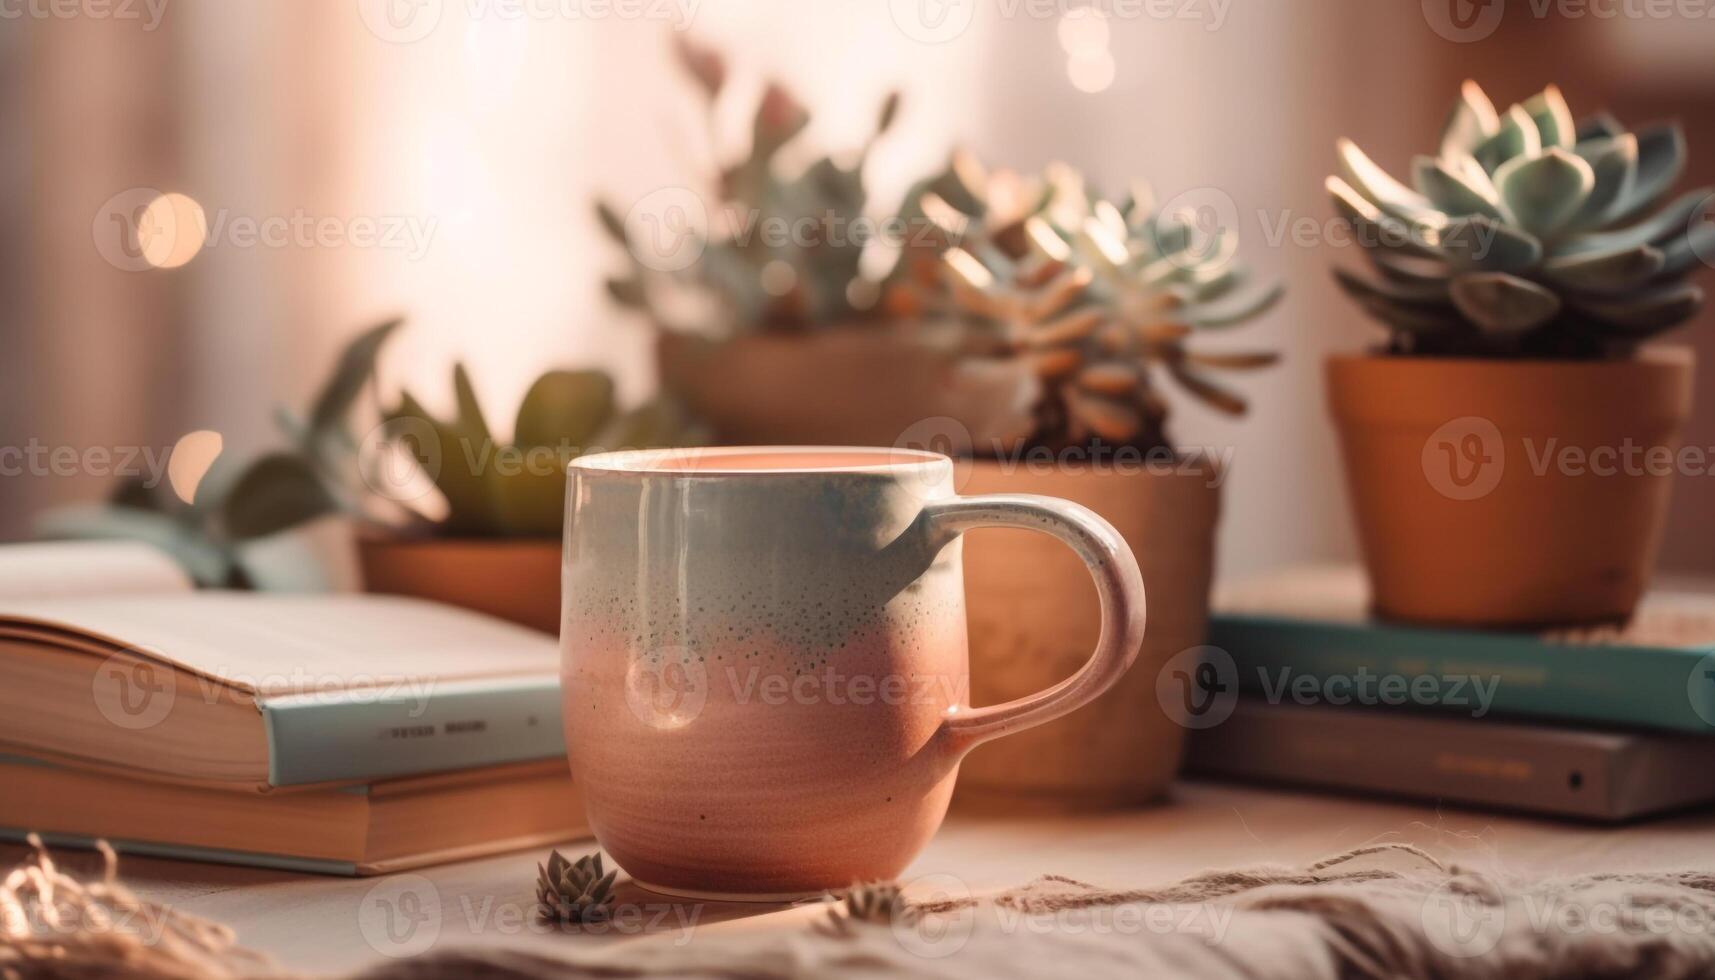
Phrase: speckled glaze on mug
(764, 662)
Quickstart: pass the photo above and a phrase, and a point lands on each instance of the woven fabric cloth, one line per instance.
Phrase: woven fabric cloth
(1379, 911)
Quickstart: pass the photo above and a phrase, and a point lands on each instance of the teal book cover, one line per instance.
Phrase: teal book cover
(1304, 637)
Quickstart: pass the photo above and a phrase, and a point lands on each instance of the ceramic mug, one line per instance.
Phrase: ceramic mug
(764, 668)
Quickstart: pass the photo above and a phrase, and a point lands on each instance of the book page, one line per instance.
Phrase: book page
(55, 569)
(276, 644)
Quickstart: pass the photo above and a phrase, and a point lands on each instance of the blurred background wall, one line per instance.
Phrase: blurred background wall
(476, 133)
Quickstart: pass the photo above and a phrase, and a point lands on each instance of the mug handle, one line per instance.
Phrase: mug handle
(1118, 583)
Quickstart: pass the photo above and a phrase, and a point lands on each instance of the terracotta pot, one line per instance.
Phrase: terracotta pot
(1032, 611)
(1510, 494)
(514, 579)
(860, 386)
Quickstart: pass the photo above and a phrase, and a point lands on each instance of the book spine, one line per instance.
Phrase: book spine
(1475, 674)
(385, 733)
(1512, 768)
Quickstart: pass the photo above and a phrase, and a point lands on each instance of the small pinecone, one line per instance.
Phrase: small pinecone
(574, 891)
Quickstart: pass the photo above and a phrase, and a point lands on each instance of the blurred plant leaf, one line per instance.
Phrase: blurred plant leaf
(565, 409)
(355, 367)
(206, 563)
(276, 492)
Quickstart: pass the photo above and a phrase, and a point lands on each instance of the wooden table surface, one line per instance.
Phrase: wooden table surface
(332, 925)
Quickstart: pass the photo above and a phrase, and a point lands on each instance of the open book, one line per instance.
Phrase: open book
(109, 658)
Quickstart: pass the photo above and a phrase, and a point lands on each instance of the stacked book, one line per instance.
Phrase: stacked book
(1606, 724)
(348, 734)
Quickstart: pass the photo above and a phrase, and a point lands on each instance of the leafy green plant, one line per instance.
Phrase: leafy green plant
(784, 250)
(238, 503)
(1527, 234)
(518, 488)
(1100, 298)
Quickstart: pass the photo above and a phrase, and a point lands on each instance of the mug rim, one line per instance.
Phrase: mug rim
(649, 462)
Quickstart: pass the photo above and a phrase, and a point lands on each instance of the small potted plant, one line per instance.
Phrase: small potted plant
(496, 547)
(1510, 449)
(1099, 302)
(768, 289)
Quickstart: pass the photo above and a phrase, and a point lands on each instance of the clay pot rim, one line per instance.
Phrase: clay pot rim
(1654, 356)
(378, 538)
(1195, 465)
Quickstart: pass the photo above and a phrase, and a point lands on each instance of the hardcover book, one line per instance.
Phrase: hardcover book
(1299, 634)
(1594, 775)
(375, 828)
(109, 657)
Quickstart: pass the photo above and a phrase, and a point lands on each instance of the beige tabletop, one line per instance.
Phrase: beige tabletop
(332, 925)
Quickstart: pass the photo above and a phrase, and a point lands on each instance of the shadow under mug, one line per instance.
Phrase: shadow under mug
(764, 665)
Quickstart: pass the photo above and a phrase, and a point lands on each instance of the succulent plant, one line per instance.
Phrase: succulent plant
(784, 251)
(1527, 234)
(1099, 297)
(214, 535)
(574, 891)
(518, 488)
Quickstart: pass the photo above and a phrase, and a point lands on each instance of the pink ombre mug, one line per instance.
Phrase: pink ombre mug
(764, 662)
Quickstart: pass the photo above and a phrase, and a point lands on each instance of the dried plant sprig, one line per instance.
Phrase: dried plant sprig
(873, 903)
(574, 891)
(52, 924)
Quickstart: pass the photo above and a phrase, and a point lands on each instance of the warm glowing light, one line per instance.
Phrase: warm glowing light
(190, 460)
(1091, 72)
(1084, 31)
(172, 231)
(778, 277)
